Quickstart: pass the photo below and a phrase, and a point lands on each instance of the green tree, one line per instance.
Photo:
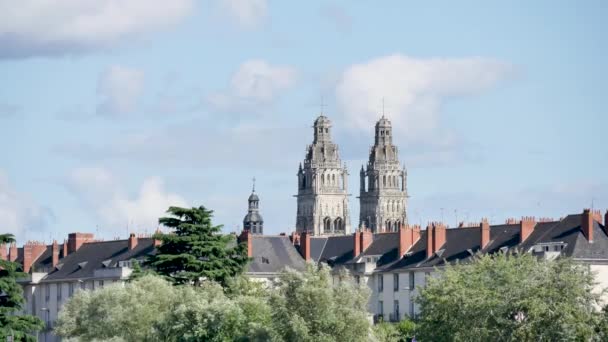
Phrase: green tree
(510, 297)
(196, 249)
(11, 301)
(307, 306)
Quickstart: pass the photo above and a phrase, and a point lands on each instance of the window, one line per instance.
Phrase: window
(47, 296)
(412, 281)
(70, 289)
(380, 307)
(396, 282)
(380, 283)
(412, 313)
(59, 292)
(101, 283)
(358, 279)
(83, 286)
(396, 309)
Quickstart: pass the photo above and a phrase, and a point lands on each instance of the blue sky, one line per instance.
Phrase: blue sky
(112, 110)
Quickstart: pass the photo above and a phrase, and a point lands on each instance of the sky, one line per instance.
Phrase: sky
(111, 111)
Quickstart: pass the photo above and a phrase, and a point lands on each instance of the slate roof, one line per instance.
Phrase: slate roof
(95, 255)
(272, 254)
(333, 250)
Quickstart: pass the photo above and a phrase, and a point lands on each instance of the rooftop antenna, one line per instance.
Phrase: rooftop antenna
(592, 203)
(441, 214)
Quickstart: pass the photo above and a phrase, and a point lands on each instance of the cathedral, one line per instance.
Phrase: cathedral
(322, 199)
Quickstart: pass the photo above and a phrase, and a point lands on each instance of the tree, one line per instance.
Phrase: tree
(510, 297)
(196, 250)
(11, 301)
(302, 307)
(307, 306)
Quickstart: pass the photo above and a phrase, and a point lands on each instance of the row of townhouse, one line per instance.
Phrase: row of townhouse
(57, 271)
(394, 264)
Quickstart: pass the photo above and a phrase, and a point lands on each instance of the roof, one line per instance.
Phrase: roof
(272, 254)
(95, 255)
(253, 216)
(333, 250)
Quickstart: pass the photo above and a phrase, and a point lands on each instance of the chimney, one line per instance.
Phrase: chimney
(55, 253)
(435, 239)
(485, 233)
(31, 252)
(305, 245)
(357, 243)
(64, 249)
(246, 237)
(75, 240)
(597, 216)
(526, 227)
(606, 221)
(429, 240)
(587, 225)
(406, 239)
(132, 241)
(157, 241)
(3, 252)
(294, 238)
(12, 252)
(366, 239)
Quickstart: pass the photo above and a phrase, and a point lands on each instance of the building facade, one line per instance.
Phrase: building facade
(383, 188)
(322, 199)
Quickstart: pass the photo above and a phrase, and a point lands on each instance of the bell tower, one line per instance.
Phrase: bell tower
(322, 199)
(383, 195)
(253, 221)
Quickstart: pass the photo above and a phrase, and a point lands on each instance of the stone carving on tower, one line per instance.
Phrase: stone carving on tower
(322, 199)
(383, 196)
(253, 221)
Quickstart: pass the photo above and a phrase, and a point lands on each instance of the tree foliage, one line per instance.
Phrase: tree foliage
(11, 301)
(196, 249)
(302, 307)
(511, 297)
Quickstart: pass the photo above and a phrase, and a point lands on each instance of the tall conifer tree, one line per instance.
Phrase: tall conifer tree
(196, 249)
(11, 301)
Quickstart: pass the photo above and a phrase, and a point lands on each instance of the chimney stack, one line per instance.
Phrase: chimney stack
(526, 227)
(305, 245)
(64, 249)
(606, 221)
(31, 252)
(295, 238)
(587, 225)
(55, 254)
(485, 233)
(246, 237)
(12, 252)
(435, 238)
(366, 239)
(132, 241)
(357, 243)
(3, 252)
(75, 241)
(408, 235)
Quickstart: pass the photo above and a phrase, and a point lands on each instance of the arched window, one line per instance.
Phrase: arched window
(322, 179)
(338, 224)
(304, 182)
(384, 181)
(327, 225)
(333, 179)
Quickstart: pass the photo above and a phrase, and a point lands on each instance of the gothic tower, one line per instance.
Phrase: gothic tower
(383, 197)
(322, 186)
(253, 221)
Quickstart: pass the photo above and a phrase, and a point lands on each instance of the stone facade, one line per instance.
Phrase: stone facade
(322, 199)
(383, 195)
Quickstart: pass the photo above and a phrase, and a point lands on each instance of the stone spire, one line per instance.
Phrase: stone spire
(322, 186)
(253, 221)
(383, 195)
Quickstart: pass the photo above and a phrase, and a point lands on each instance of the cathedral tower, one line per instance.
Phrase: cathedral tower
(383, 197)
(253, 221)
(322, 186)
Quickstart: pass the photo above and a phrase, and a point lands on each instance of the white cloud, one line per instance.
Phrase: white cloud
(19, 213)
(100, 192)
(414, 89)
(255, 82)
(119, 88)
(56, 27)
(247, 13)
